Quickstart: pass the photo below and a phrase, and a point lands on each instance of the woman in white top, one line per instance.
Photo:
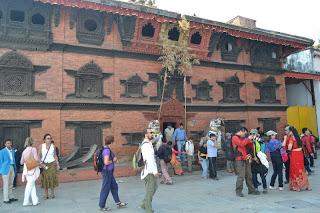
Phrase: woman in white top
(31, 175)
(50, 164)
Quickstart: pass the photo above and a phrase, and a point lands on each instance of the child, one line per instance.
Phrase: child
(174, 161)
(203, 159)
(190, 152)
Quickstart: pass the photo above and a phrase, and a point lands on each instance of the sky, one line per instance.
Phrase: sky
(301, 18)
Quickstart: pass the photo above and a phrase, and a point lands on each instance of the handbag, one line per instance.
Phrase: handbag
(31, 163)
(42, 168)
(284, 155)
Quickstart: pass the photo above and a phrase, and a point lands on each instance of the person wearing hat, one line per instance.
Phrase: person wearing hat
(273, 149)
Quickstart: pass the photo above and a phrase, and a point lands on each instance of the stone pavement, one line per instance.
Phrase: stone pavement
(189, 193)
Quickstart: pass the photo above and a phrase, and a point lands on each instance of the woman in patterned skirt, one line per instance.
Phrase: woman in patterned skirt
(50, 164)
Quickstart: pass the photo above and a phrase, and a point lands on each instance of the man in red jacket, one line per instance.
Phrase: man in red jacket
(241, 145)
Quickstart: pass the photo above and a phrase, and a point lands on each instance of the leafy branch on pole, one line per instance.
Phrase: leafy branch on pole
(175, 56)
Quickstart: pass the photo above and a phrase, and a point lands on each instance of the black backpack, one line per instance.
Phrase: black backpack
(98, 161)
(167, 153)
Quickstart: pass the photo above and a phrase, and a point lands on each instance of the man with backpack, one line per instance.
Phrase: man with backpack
(164, 153)
(107, 159)
(150, 171)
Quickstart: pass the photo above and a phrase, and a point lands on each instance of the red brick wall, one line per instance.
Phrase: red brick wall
(57, 85)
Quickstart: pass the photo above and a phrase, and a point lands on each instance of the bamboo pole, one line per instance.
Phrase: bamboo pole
(163, 89)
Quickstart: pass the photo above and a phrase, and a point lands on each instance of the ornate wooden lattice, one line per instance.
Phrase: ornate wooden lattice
(231, 90)
(90, 27)
(203, 90)
(265, 55)
(175, 83)
(134, 87)
(229, 48)
(25, 25)
(267, 89)
(88, 81)
(17, 75)
(269, 123)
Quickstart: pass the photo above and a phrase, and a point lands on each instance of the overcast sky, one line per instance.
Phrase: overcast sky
(295, 17)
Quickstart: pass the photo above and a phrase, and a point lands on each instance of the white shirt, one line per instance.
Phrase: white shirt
(190, 148)
(150, 166)
(10, 155)
(50, 155)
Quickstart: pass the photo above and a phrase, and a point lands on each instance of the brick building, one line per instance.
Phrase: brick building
(80, 70)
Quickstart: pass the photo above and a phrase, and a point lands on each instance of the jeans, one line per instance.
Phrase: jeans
(255, 180)
(311, 161)
(306, 164)
(204, 165)
(180, 145)
(277, 171)
(212, 167)
(108, 184)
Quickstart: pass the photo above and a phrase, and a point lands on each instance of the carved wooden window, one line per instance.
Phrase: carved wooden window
(38, 19)
(90, 27)
(17, 75)
(17, 16)
(267, 89)
(27, 25)
(231, 90)
(148, 30)
(127, 26)
(175, 83)
(265, 55)
(87, 133)
(229, 48)
(134, 87)
(17, 131)
(134, 138)
(232, 126)
(202, 91)
(88, 81)
(269, 123)
(174, 34)
(196, 38)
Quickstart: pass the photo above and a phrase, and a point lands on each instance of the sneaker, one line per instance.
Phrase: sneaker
(280, 188)
(272, 187)
(265, 191)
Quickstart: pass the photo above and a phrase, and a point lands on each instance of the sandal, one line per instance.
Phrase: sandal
(122, 205)
(105, 209)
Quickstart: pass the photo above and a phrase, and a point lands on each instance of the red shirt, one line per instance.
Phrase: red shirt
(307, 141)
(241, 144)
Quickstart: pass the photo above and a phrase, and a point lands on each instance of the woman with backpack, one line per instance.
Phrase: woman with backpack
(165, 154)
(174, 161)
(108, 181)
